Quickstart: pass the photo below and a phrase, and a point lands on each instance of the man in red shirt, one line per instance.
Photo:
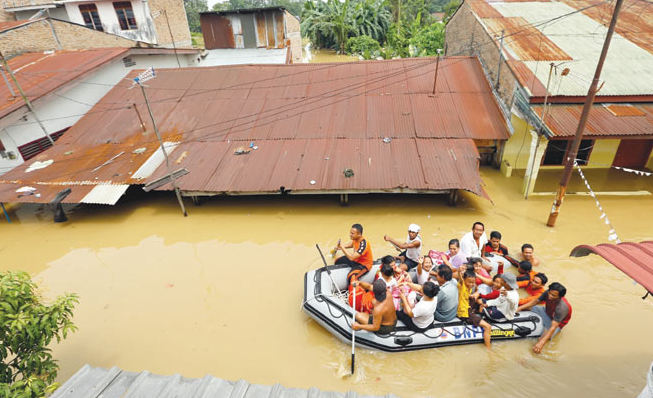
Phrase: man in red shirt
(494, 245)
(555, 314)
(360, 258)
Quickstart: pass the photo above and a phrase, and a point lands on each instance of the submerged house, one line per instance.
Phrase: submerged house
(341, 128)
(540, 58)
(63, 86)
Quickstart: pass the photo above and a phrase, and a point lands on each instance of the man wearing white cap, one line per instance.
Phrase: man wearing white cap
(411, 249)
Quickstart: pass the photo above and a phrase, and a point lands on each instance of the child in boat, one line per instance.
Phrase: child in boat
(496, 283)
(504, 306)
(424, 270)
(535, 288)
(525, 270)
(455, 257)
(466, 305)
(402, 276)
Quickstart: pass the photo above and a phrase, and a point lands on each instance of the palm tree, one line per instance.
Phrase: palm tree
(330, 23)
(373, 19)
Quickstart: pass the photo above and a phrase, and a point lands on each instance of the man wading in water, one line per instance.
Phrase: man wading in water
(361, 259)
(384, 318)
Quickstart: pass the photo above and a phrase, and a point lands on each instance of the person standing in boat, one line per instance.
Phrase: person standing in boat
(383, 318)
(360, 258)
(411, 249)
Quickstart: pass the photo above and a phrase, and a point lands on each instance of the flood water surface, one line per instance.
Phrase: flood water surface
(220, 292)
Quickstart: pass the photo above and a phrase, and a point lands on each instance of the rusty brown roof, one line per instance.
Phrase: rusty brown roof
(309, 121)
(604, 120)
(6, 25)
(570, 34)
(634, 259)
(43, 72)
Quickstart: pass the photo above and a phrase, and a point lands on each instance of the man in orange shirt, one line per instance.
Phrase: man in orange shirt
(535, 288)
(360, 258)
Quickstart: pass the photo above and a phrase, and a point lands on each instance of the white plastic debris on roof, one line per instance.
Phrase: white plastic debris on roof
(154, 161)
(105, 194)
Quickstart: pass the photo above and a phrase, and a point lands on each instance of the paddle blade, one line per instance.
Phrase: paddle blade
(353, 361)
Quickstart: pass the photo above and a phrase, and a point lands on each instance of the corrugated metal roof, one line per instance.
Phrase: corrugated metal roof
(562, 121)
(403, 165)
(578, 37)
(230, 56)
(7, 25)
(44, 72)
(634, 259)
(91, 382)
(297, 115)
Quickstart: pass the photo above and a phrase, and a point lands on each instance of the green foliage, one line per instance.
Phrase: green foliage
(27, 327)
(450, 8)
(197, 40)
(193, 9)
(294, 7)
(360, 44)
(329, 24)
(429, 39)
(353, 25)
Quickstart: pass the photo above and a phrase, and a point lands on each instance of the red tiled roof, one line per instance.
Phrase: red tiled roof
(562, 120)
(634, 259)
(41, 73)
(298, 115)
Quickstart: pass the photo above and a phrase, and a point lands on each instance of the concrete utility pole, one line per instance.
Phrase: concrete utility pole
(569, 166)
(147, 75)
(27, 101)
(496, 83)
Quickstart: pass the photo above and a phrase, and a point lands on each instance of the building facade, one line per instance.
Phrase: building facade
(262, 28)
(541, 73)
(157, 22)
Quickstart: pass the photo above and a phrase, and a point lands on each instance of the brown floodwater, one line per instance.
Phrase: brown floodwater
(220, 292)
(312, 55)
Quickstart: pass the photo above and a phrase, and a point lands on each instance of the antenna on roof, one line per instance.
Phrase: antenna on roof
(149, 74)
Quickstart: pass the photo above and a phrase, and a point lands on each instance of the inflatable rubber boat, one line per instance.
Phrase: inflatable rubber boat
(326, 303)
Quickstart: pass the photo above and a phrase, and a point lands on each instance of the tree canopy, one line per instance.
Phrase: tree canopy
(193, 9)
(402, 28)
(27, 326)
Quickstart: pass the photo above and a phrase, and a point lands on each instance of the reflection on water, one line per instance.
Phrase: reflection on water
(219, 292)
(312, 55)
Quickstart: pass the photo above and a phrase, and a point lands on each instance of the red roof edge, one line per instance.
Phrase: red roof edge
(633, 259)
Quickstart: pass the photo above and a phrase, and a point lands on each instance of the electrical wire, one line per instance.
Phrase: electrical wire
(318, 98)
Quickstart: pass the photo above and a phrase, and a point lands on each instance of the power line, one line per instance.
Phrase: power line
(304, 102)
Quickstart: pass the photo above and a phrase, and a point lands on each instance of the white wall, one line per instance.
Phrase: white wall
(110, 23)
(58, 112)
